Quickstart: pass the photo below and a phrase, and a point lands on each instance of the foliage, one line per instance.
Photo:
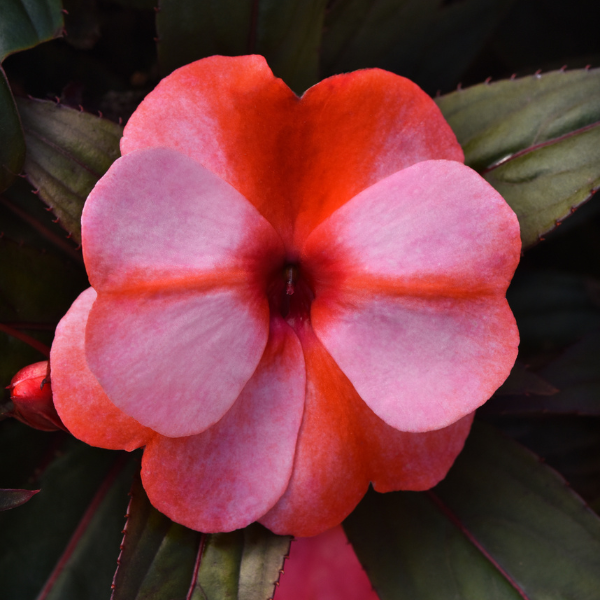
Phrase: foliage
(504, 523)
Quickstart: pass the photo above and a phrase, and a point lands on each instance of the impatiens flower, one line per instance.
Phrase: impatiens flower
(293, 298)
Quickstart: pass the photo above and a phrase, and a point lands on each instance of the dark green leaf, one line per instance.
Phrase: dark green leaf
(63, 545)
(242, 565)
(13, 498)
(26, 220)
(158, 556)
(423, 40)
(26, 23)
(535, 139)
(523, 381)
(553, 309)
(286, 32)
(12, 143)
(36, 290)
(576, 374)
(569, 444)
(67, 152)
(501, 525)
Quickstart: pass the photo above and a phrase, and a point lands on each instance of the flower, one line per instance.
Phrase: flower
(292, 298)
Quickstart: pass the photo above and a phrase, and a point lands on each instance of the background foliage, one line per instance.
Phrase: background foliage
(517, 515)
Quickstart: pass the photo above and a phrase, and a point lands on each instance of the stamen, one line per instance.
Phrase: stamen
(291, 274)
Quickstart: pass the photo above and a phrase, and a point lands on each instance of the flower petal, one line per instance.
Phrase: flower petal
(296, 160)
(176, 362)
(230, 475)
(79, 400)
(180, 260)
(324, 567)
(158, 220)
(343, 446)
(410, 293)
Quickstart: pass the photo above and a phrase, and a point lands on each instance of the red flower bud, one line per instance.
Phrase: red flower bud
(31, 396)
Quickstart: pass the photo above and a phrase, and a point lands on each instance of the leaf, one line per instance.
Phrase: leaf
(246, 563)
(67, 152)
(27, 23)
(12, 142)
(158, 556)
(424, 40)
(162, 560)
(63, 545)
(286, 32)
(576, 373)
(13, 498)
(522, 381)
(36, 289)
(501, 525)
(553, 309)
(569, 444)
(535, 139)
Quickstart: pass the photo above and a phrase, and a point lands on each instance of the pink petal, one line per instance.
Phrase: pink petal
(176, 362)
(230, 475)
(179, 260)
(79, 400)
(324, 567)
(158, 219)
(343, 445)
(410, 290)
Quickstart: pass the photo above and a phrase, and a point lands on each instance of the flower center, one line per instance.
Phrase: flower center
(290, 294)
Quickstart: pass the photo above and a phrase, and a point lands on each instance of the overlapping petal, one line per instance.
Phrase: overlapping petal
(78, 397)
(410, 282)
(230, 475)
(180, 260)
(343, 446)
(296, 159)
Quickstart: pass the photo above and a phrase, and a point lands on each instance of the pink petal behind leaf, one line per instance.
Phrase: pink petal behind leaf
(324, 568)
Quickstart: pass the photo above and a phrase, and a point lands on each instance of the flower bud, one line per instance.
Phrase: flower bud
(31, 395)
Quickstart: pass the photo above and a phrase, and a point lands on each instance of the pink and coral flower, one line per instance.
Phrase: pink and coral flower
(292, 298)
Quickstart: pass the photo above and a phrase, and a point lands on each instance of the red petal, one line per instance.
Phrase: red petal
(410, 285)
(343, 446)
(80, 401)
(296, 160)
(324, 568)
(230, 475)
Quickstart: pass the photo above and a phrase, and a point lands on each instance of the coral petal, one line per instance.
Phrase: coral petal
(411, 302)
(160, 220)
(80, 401)
(324, 567)
(343, 446)
(230, 475)
(176, 362)
(296, 160)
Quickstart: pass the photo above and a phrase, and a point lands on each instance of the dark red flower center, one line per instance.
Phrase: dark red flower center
(290, 294)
